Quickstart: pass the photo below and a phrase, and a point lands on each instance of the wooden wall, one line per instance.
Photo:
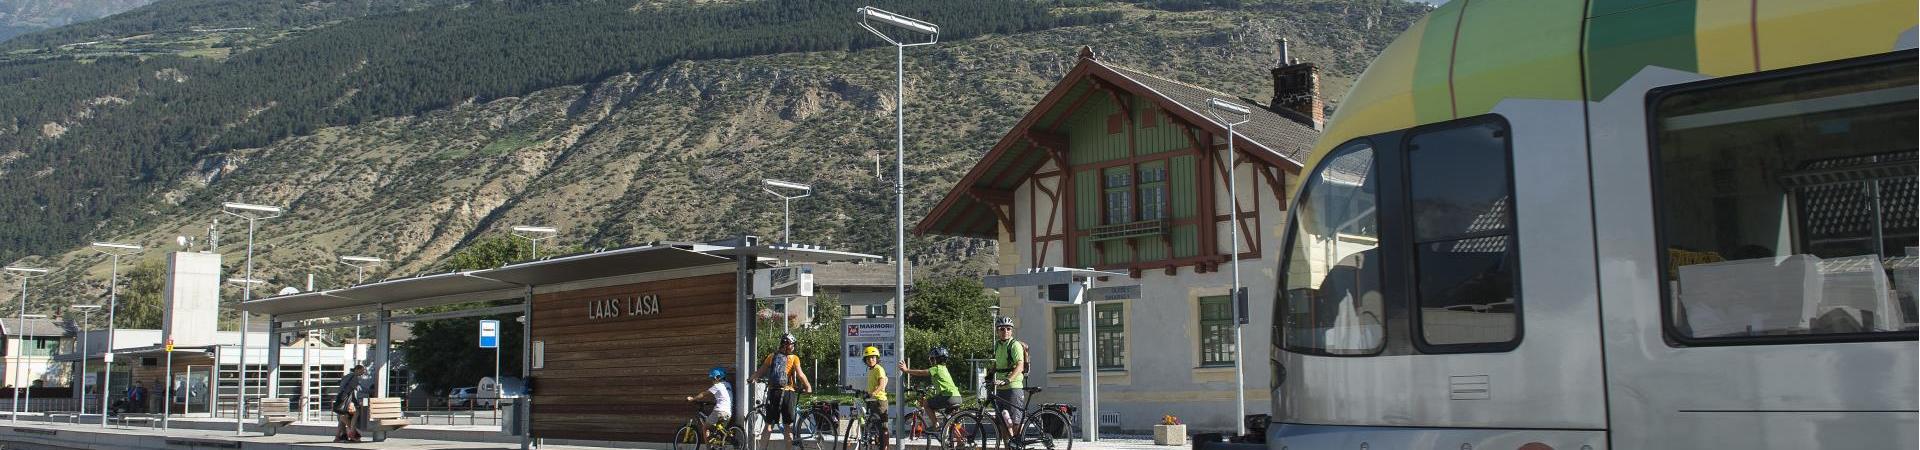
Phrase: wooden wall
(626, 378)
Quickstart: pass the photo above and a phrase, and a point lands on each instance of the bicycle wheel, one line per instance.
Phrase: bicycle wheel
(813, 432)
(969, 431)
(754, 425)
(1063, 440)
(919, 433)
(687, 437)
(854, 435)
(736, 438)
(1033, 432)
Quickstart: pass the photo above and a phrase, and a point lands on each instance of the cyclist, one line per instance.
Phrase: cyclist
(720, 395)
(1009, 378)
(945, 395)
(782, 371)
(876, 388)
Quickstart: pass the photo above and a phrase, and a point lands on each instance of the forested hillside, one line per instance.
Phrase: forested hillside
(408, 134)
(26, 16)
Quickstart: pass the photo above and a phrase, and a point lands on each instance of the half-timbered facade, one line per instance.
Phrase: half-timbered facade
(1120, 170)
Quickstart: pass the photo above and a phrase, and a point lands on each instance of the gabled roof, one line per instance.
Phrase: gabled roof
(1274, 138)
(35, 327)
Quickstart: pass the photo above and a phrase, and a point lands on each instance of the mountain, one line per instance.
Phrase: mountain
(408, 135)
(25, 16)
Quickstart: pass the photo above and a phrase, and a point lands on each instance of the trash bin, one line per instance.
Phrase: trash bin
(511, 410)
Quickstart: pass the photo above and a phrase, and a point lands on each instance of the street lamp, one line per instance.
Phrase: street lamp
(359, 264)
(786, 230)
(869, 16)
(114, 250)
(86, 317)
(19, 361)
(1232, 114)
(253, 213)
(527, 232)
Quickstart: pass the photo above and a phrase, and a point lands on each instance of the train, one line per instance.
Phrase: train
(1611, 224)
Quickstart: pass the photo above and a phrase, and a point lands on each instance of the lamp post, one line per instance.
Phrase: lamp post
(26, 274)
(86, 316)
(1232, 114)
(240, 391)
(527, 232)
(359, 264)
(252, 213)
(23, 341)
(868, 17)
(113, 250)
(786, 209)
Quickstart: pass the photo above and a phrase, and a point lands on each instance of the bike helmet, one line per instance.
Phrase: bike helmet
(717, 372)
(938, 354)
(871, 351)
(1004, 322)
(787, 338)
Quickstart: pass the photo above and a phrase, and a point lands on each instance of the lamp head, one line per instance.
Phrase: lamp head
(870, 13)
(85, 307)
(787, 185)
(251, 207)
(1227, 107)
(362, 259)
(116, 246)
(28, 270)
(531, 229)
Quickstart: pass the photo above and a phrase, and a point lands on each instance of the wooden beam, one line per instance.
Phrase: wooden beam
(1046, 139)
(991, 196)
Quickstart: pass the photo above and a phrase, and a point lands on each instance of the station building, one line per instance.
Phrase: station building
(1120, 170)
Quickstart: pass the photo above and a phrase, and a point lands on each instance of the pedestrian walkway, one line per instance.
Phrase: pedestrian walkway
(218, 433)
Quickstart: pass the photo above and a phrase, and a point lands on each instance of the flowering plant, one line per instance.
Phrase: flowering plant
(1169, 420)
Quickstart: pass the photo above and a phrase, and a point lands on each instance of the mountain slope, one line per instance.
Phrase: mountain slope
(26, 16)
(675, 152)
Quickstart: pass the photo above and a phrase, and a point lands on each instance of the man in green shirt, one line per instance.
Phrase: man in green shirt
(1009, 376)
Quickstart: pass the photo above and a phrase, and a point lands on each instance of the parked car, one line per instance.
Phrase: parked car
(462, 396)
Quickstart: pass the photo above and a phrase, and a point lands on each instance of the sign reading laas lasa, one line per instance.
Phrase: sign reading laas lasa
(623, 306)
(858, 334)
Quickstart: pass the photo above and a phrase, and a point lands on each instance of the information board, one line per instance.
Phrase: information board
(858, 334)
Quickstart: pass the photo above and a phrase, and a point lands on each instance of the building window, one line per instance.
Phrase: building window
(1119, 194)
(1785, 205)
(1066, 339)
(1110, 335)
(1461, 205)
(1216, 331)
(1153, 190)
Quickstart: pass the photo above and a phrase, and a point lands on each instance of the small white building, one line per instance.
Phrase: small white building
(29, 352)
(1119, 170)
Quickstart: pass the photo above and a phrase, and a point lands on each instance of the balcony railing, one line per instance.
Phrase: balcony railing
(1129, 230)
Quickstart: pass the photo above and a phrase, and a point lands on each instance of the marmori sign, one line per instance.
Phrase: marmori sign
(613, 308)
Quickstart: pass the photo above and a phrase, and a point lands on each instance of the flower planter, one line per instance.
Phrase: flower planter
(1170, 435)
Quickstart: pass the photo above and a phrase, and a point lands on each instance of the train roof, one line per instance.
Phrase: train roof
(1467, 56)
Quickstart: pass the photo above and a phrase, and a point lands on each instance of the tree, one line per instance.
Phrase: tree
(140, 302)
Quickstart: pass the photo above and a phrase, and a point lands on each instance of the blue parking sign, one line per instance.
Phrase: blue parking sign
(489, 334)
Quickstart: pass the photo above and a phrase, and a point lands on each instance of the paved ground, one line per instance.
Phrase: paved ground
(317, 435)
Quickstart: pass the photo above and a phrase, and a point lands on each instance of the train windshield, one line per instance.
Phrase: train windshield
(1333, 302)
(1787, 205)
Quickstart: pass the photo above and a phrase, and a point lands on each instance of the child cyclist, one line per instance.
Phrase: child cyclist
(876, 388)
(945, 396)
(722, 397)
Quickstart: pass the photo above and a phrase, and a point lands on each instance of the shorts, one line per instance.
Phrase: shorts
(944, 404)
(877, 407)
(781, 408)
(1013, 403)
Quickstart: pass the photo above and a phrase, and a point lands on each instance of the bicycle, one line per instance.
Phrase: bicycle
(719, 435)
(1031, 423)
(865, 429)
(813, 425)
(960, 431)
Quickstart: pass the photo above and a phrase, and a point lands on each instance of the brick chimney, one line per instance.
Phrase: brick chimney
(1296, 89)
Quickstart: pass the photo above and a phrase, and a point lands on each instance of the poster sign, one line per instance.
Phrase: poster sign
(489, 334)
(858, 334)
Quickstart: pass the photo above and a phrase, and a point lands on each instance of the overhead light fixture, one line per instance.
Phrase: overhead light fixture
(251, 207)
(1228, 107)
(117, 245)
(527, 229)
(27, 269)
(362, 259)
(909, 23)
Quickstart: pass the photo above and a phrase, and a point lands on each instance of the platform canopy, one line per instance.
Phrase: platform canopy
(510, 282)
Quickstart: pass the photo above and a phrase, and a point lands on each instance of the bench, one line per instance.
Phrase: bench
(70, 416)
(128, 419)
(275, 413)
(383, 415)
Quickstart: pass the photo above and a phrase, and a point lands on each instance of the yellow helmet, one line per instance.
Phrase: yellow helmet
(871, 351)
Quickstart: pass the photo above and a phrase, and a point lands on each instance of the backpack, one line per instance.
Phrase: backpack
(782, 377)
(1026, 354)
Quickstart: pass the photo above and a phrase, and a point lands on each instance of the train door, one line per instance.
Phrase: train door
(1757, 247)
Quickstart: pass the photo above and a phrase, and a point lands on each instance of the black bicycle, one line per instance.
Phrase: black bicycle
(865, 429)
(813, 427)
(1031, 425)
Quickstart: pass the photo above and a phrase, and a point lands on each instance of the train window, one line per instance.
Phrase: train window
(1461, 204)
(1786, 205)
(1333, 301)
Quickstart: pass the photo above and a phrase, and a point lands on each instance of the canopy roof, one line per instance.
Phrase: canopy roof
(510, 281)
